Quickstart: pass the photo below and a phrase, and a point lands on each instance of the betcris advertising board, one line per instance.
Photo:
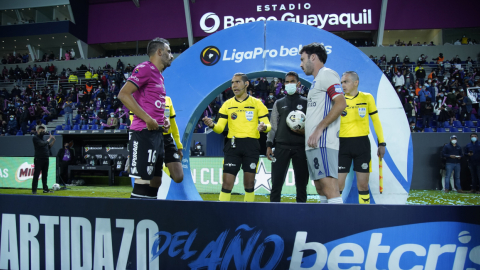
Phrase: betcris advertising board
(36, 233)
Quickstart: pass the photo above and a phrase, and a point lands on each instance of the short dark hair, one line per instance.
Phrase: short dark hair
(294, 74)
(352, 74)
(315, 48)
(473, 134)
(242, 75)
(155, 44)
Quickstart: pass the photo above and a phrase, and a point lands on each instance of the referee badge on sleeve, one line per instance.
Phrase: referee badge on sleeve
(362, 112)
(249, 115)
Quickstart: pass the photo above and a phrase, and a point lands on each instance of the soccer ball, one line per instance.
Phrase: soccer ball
(296, 120)
(56, 187)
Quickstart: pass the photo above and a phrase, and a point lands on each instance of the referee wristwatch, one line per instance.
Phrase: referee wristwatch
(382, 144)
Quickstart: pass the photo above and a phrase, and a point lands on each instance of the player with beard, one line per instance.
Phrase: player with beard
(325, 103)
(144, 95)
(243, 114)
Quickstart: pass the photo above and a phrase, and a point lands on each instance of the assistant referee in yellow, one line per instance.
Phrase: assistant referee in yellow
(354, 130)
(246, 117)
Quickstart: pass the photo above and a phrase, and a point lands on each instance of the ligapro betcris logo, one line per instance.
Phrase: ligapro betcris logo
(210, 56)
(25, 172)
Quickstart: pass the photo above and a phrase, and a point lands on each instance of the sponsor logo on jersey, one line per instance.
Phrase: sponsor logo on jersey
(344, 113)
(210, 56)
(233, 116)
(249, 115)
(362, 112)
(136, 70)
(149, 170)
(338, 88)
(299, 107)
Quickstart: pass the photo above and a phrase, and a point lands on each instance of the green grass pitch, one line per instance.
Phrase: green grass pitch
(416, 197)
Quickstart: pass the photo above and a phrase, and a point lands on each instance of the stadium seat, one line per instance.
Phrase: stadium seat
(101, 127)
(472, 117)
(59, 127)
(75, 127)
(94, 127)
(20, 133)
(420, 123)
(85, 127)
(454, 129)
(67, 127)
(469, 124)
(433, 124)
(428, 130)
(457, 124)
(446, 124)
(440, 130)
(122, 127)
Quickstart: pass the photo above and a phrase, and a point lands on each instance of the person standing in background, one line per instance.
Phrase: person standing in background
(41, 162)
(472, 152)
(453, 154)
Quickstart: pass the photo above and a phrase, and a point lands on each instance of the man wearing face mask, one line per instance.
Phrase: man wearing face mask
(420, 74)
(472, 153)
(12, 126)
(42, 152)
(112, 122)
(289, 144)
(65, 157)
(246, 117)
(453, 154)
(354, 141)
(102, 116)
(68, 109)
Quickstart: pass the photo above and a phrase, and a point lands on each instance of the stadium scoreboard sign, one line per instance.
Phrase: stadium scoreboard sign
(151, 234)
(361, 15)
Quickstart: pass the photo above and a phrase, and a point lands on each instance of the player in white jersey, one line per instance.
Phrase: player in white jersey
(325, 104)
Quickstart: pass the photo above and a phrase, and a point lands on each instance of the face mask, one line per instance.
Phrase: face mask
(291, 88)
(413, 127)
(11, 118)
(98, 99)
(474, 139)
(111, 115)
(270, 96)
(114, 97)
(429, 81)
(199, 147)
(101, 110)
(411, 95)
(454, 141)
(453, 92)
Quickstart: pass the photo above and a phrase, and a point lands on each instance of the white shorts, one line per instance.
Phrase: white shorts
(322, 162)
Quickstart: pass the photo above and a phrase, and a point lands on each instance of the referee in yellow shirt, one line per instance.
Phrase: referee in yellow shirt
(354, 141)
(246, 117)
(173, 153)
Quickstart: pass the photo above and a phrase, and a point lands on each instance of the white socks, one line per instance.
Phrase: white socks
(335, 200)
(323, 199)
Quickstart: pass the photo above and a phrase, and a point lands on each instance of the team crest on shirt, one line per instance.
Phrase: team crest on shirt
(299, 107)
(136, 70)
(249, 115)
(149, 170)
(362, 112)
(233, 116)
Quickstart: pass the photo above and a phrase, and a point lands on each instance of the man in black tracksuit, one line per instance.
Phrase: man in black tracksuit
(42, 152)
(289, 144)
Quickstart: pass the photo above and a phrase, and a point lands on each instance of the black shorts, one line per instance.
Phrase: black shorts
(245, 154)
(356, 149)
(171, 151)
(146, 153)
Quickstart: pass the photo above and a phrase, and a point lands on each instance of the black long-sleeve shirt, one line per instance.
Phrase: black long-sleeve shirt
(42, 147)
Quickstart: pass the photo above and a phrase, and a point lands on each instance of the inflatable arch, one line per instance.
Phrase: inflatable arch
(265, 49)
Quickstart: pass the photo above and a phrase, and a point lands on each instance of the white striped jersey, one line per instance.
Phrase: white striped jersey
(325, 87)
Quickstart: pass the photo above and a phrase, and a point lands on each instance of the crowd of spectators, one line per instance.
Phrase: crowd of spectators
(436, 96)
(96, 101)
